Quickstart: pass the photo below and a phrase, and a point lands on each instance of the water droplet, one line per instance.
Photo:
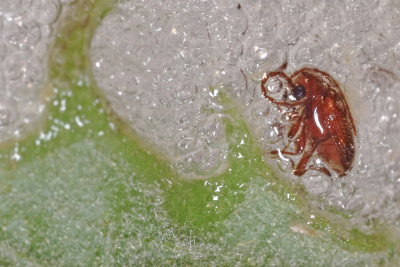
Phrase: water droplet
(285, 164)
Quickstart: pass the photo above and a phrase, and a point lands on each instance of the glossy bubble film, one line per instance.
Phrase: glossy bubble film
(26, 35)
(167, 70)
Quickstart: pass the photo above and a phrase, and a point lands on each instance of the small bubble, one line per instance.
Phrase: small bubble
(236, 20)
(217, 30)
(335, 201)
(20, 33)
(285, 164)
(177, 35)
(316, 184)
(213, 131)
(230, 79)
(186, 144)
(337, 53)
(392, 14)
(260, 110)
(263, 18)
(182, 121)
(262, 53)
(46, 11)
(311, 52)
(24, 74)
(185, 92)
(347, 191)
(274, 85)
(194, 24)
(232, 51)
(289, 33)
(212, 164)
(330, 17)
(9, 6)
(272, 133)
(192, 161)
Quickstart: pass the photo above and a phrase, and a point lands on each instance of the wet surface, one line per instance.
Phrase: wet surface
(27, 29)
(167, 70)
(185, 78)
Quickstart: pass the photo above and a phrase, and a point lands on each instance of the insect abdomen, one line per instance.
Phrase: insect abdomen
(339, 124)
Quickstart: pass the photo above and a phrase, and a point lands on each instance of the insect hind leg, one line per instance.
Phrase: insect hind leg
(321, 169)
(276, 153)
(301, 166)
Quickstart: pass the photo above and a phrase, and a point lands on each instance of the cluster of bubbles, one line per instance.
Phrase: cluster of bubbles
(168, 67)
(26, 30)
(150, 67)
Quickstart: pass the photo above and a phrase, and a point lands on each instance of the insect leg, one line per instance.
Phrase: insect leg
(301, 142)
(301, 166)
(276, 152)
(295, 129)
(323, 170)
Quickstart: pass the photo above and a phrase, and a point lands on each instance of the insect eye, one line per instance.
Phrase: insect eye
(299, 92)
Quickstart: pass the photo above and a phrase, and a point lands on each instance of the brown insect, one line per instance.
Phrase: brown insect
(322, 122)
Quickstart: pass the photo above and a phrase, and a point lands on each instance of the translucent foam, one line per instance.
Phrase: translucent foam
(24, 44)
(166, 68)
